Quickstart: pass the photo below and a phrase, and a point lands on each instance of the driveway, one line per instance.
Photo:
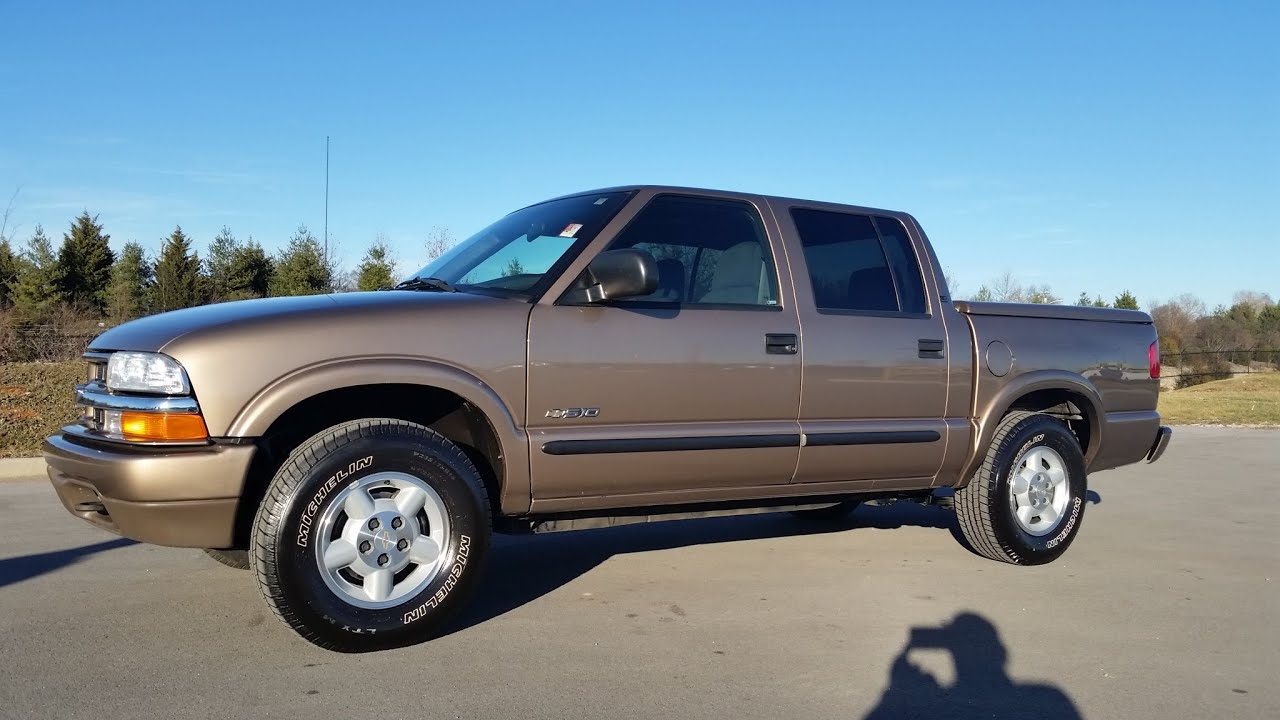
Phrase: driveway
(1166, 606)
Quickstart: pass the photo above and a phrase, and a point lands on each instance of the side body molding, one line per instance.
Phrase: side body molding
(990, 405)
(271, 402)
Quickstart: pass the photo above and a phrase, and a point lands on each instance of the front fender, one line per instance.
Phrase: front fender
(264, 408)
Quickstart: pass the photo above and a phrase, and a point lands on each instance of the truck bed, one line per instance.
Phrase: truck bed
(1101, 354)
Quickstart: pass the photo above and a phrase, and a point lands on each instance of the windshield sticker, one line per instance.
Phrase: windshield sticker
(571, 230)
(602, 201)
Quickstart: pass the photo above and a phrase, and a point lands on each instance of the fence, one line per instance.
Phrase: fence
(44, 343)
(1198, 366)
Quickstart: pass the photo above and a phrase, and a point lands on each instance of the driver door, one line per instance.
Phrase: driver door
(690, 390)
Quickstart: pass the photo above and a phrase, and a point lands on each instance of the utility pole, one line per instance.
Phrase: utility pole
(326, 212)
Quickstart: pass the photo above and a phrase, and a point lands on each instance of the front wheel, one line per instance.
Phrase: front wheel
(1026, 502)
(371, 535)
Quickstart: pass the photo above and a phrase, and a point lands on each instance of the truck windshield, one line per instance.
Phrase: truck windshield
(511, 256)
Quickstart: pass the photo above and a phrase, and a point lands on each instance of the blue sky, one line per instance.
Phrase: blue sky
(1091, 146)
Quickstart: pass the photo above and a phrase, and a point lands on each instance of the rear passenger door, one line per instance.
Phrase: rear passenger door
(873, 347)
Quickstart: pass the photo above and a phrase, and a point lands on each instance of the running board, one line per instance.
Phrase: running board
(562, 522)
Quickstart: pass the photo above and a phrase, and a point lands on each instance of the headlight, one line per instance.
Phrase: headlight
(146, 372)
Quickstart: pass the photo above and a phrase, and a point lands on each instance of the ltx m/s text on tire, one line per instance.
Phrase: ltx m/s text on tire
(1025, 503)
(371, 535)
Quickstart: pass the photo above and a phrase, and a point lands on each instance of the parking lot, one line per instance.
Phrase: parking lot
(1166, 606)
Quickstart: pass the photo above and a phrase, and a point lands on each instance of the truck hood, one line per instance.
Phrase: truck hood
(154, 333)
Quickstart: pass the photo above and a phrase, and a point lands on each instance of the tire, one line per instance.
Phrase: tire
(238, 559)
(830, 513)
(1034, 461)
(398, 575)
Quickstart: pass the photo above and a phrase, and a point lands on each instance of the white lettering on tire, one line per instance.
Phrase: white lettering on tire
(459, 564)
(1071, 522)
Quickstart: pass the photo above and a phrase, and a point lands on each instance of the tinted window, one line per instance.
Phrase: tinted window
(709, 252)
(847, 265)
(902, 260)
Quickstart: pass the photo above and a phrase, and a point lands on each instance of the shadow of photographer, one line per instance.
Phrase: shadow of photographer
(982, 687)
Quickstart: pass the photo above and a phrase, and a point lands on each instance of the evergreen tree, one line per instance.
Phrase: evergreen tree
(84, 263)
(130, 285)
(179, 282)
(222, 253)
(301, 267)
(9, 263)
(1126, 301)
(377, 269)
(250, 272)
(36, 290)
(984, 294)
(1097, 301)
(513, 268)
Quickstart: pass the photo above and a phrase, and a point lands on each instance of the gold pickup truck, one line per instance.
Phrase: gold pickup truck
(630, 353)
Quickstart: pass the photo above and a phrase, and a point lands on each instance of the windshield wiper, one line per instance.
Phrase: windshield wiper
(431, 284)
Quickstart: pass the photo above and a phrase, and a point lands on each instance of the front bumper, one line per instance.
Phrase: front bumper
(163, 496)
(1161, 443)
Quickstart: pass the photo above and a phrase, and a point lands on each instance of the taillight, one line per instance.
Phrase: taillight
(1153, 359)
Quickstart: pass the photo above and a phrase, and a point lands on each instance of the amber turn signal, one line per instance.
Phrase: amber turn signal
(162, 427)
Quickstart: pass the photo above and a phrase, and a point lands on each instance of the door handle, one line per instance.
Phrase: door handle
(781, 343)
(931, 349)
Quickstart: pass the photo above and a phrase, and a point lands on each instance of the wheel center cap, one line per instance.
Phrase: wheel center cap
(387, 542)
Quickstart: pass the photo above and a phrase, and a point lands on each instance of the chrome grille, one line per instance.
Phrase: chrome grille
(92, 418)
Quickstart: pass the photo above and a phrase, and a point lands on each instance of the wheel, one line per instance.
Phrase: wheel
(238, 559)
(371, 535)
(1026, 502)
(830, 513)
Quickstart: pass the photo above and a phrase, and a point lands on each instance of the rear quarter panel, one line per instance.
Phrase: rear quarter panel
(1104, 362)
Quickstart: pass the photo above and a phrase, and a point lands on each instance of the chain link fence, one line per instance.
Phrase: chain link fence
(1193, 367)
(44, 343)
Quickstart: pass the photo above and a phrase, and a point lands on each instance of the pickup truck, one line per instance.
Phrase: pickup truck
(633, 353)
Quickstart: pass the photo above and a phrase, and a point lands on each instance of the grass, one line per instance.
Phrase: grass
(35, 400)
(1241, 400)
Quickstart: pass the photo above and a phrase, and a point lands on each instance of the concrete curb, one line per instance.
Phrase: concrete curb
(22, 469)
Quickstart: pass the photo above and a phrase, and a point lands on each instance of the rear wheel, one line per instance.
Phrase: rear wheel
(1026, 502)
(238, 559)
(371, 535)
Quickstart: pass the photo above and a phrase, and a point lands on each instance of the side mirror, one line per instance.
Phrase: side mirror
(616, 274)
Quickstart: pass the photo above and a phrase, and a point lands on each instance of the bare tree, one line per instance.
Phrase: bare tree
(1190, 304)
(8, 212)
(1259, 301)
(439, 242)
(1006, 288)
(1041, 295)
(953, 286)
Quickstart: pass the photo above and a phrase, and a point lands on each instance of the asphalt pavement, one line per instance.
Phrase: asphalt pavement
(1166, 606)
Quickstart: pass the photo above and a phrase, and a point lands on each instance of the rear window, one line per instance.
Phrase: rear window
(903, 262)
(859, 263)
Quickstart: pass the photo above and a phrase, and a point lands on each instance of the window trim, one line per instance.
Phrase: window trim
(871, 218)
(629, 304)
(770, 259)
(875, 313)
